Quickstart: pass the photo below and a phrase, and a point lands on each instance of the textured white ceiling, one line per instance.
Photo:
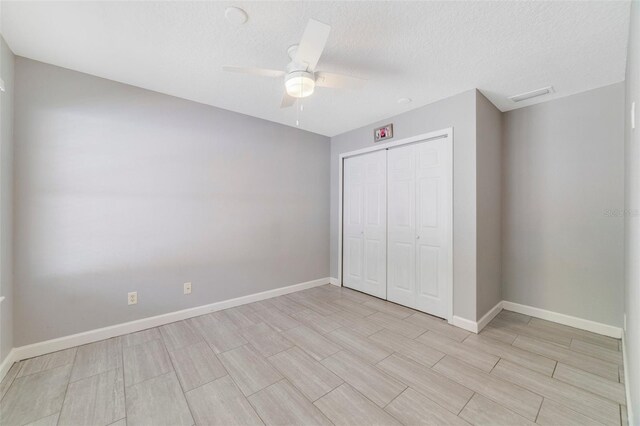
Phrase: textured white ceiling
(424, 51)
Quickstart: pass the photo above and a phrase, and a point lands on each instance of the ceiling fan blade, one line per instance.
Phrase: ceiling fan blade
(287, 100)
(255, 71)
(312, 44)
(338, 81)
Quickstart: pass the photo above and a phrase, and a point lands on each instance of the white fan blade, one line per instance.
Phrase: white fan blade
(312, 44)
(338, 81)
(255, 71)
(287, 100)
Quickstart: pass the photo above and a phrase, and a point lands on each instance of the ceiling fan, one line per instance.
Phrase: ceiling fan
(301, 76)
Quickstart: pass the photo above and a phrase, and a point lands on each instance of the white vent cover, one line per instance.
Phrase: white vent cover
(532, 94)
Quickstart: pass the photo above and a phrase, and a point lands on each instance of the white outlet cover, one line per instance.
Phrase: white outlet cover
(187, 288)
(132, 298)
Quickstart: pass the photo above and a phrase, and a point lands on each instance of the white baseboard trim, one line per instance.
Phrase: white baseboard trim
(7, 363)
(334, 281)
(486, 318)
(630, 414)
(583, 324)
(465, 324)
(477, 326)
(66, 342)
(41, 348)
(575, 322)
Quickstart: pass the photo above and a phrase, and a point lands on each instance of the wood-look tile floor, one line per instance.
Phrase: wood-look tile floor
(327, 355)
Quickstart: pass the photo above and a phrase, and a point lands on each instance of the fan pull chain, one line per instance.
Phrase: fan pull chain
(298, 111)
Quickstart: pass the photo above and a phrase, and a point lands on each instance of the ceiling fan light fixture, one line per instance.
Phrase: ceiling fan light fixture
(300, 84)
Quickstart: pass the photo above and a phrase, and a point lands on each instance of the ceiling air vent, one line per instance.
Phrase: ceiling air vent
(532, 94)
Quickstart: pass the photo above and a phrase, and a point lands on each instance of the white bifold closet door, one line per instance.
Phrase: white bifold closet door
(365, 223)
(419, 226)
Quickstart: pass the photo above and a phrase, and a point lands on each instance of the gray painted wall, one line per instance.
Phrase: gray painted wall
(632, 218)
(457, 112)
(121, 189)
(564, 174)
(6, 200)
(489, 208)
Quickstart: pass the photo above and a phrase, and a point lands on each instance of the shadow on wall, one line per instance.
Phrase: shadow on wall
(563, 175)
(121, 189)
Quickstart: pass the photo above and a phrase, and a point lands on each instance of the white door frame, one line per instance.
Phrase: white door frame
(438, 134)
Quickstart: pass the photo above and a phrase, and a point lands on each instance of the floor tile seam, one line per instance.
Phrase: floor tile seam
(594, 356)
(563, 361)
(397, 396)
(48, 415)
(229, 350)
(184, 393)
(124, 387)
(466, 403)
(375, 366)
(13, 380)
(539, 409)
(440, 375)
(99, 373)
(329, 391)
(369, 399)
(255, 409)
(517, 348)
(66, 390)
(555, 400)
(495, 377)
(589, 391)
(560, 347)
(246, 397)
(166, 373)
(18, 376)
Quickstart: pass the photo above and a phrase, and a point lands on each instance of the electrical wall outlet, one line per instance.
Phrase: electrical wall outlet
(132, 298)
(187, 288)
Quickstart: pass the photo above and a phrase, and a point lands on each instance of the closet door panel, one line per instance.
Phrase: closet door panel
(354, 266)
(401, 225)
(433, 216)
(365, 223)
(353, 223)
(375, 224)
